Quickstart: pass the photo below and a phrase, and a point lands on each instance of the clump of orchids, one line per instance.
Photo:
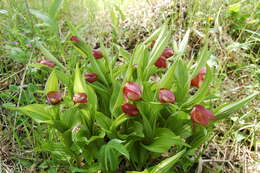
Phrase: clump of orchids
(119, 109)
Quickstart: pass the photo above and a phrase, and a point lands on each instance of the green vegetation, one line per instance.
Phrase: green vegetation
(222, 35)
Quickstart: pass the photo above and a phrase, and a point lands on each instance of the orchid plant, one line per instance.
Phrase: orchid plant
(131, 112)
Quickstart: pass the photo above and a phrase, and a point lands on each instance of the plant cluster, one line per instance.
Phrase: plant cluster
(111, 113)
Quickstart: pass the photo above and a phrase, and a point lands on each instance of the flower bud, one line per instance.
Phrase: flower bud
(130, 109)
(47, 63)
(97, 54)
(166, 96)
(201, 115)
(132, 91)
(161, 62)
(54, 97)
(198, 80)
(91, 77)
(80, 98)
(74, 39)
(167, 53)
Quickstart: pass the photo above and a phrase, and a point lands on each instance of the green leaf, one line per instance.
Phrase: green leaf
(200, 136)
(203, 90)
(96, 66)
(52, 83)
(168, 77)
(164, 139)
(48, 55)
(37, 112)
(103, 121)
(145, 171)
(55, 8)
(119, 120)
(181, 76)
(41, 15)
(184, 43)
(153, 36)
(78, 83)
(203, 57)
(108, 155)
(234, 8)
(226, 110)
(158, 48)
(167, 164)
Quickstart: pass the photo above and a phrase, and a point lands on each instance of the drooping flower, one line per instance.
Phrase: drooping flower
(168, 52)
(130, 109)
(161, 62)
(198, 80)
(80, 98)
(166, 96)
(91, 77)
(74, 39)
(132, 91)
(47, 63)
(97, 54)
(201, 115)
(54, 97)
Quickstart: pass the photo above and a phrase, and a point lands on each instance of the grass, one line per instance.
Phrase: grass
(234, 33)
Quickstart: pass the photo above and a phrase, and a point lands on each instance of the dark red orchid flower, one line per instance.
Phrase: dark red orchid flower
(161, 62)
(168, 52)
(198, 80)
(47, 63)
(80, 98)
(54, 97)
(166, 96)
(91, 77)
(74, 39)
(130, 109)
(201, 115)
(97, 54)
(132, 91)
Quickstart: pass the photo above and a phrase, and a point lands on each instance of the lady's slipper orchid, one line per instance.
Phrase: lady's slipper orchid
(91, 77)
(198, 80)
(161, 62)
(54, 97)
(47, 63)
(132, 91)
(74, 39)
(80, 98)
(97, 54)
(166, 96)
(167, 53)
(130, 109)
(201, 115)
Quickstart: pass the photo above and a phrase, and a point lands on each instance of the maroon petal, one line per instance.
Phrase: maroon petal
(74, 39)
(97, 54)
(80, 98)
(161, 62)
(168, 52)
(130, 109)
(132, 91)
(201, 115)
(91, 77)
(198, 80)
(166, 96)
(47, 63)
(54, 97)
